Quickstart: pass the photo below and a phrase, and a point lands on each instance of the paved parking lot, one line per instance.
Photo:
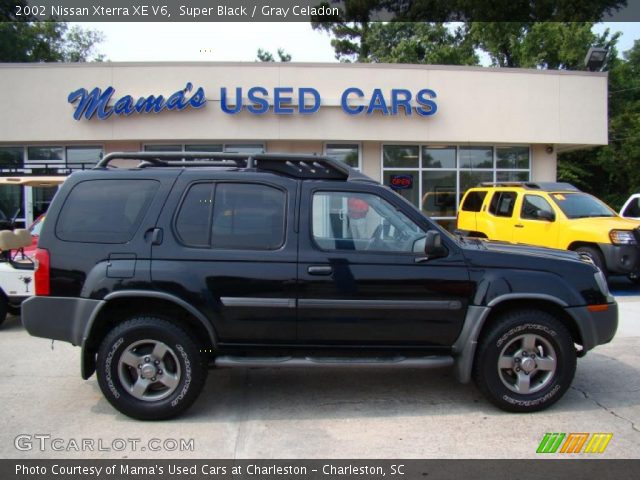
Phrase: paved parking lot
(266, 413)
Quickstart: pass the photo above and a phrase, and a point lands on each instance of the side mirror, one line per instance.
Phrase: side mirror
(545, 215)
(432, 243)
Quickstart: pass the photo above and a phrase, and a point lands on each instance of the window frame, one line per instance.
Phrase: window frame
(524, 199)
(501, 194)
(358, 144)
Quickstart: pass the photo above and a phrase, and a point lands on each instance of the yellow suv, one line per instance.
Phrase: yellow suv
(555, 215)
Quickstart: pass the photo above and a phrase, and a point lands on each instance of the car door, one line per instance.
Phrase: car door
(227, 247)
(363, 276)
(537, 223)
(497, 221)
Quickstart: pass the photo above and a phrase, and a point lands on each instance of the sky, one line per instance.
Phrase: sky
(239, 42)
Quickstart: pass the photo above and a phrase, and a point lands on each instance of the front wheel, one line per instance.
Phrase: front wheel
(594, 254)
(150, 369)
(525, 362)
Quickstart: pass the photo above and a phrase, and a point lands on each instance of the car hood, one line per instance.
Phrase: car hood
(606, 223)
(525, 252)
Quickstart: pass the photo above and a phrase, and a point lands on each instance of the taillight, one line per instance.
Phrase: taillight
(41, 276)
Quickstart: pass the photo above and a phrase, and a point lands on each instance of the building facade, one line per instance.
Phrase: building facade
(429, 132)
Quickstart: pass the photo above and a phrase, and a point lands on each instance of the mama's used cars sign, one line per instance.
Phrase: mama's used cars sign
(102, 104)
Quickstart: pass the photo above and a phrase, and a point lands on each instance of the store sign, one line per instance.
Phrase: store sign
(401, 182)
(255, 100)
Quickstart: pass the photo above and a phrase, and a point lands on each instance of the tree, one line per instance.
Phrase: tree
(266, 56)
(430, 43)
(24, 40)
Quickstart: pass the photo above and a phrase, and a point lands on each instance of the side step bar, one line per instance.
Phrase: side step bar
(366, 362)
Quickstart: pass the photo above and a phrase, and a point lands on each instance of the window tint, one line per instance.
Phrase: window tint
(193, 222)
(581, 205)
(502, 204)
(633, 209)
(105, 211)
(473, 201)
(248, 216)
(530, 206)
(364, 222)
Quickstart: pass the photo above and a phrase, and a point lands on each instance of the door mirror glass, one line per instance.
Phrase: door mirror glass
(433, 244)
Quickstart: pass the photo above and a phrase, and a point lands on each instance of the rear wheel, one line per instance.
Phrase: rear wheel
(150, 369)
(525, 362)
(596, 256)
(4, 308)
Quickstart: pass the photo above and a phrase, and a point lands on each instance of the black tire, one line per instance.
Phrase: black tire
(553, 345)
(595, 255)
(136, 339)
(4, 308)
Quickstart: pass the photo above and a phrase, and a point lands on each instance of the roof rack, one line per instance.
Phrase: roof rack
(543, 186)
(299, 166)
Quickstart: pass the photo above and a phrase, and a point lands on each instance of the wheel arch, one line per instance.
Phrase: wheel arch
(480, 319)
(117, 306)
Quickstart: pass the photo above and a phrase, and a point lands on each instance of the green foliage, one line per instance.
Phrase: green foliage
(430, 43)
(266, 56)
(29, 41)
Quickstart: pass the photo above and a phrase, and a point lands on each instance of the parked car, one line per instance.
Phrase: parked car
(631, 208)
(195, 260)
(16, 271)
(555, 215)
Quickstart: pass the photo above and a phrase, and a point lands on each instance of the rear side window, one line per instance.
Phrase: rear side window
(502, 204)
(473, 201)
(105, 211)
(233, 216)
(633, 209)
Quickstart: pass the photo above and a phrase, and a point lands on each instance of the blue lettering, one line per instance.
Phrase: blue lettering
(225, 106)
(259, 105)
(400, 98)
(428, 106)
(302, 107)
(344, 101)
(150, 103)
(279, 100)
(198, 100)
(124, 106)
(92, 103)
(377, 103)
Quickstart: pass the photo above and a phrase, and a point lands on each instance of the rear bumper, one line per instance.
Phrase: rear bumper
(595, 328)
(60, 318)
(622, 259)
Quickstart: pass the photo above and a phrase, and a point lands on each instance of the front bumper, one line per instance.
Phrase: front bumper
(595, 327)
(621, 259)
(60, 318)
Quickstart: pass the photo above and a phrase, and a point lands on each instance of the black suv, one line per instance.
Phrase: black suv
(194, 260)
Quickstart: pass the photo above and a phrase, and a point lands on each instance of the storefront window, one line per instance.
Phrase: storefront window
(163, 148)
(45, 154)
(434, 178)
(11, 158)
(400, 156)
(203, 148)
(80, 157)
(244, 148)
(207, 147)
(348, 153)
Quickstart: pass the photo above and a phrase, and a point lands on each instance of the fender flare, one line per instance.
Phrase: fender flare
(464, 348)
(88, 360)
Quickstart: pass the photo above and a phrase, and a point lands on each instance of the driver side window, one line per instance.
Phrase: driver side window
(361, 222)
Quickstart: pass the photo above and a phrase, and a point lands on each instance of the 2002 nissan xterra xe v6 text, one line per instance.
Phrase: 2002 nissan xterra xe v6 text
(195, 260)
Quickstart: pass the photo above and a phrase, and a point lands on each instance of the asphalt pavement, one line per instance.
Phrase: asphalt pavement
(48, 411)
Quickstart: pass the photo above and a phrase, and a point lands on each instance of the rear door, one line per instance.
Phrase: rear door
(228, 247)
(498, 221)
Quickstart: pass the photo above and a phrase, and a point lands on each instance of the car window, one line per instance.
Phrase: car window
(633, 209)
(473, 201)
(193, 223)
(502, 204)
(362, 222)
(530, 206)
(248, 216)
(581, 205)
(105, 211)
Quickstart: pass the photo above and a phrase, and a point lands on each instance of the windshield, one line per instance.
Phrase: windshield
(581, 205)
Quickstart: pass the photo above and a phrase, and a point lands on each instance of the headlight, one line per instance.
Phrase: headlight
(622, 237)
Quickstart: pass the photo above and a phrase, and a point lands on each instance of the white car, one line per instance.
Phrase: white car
(631, 208)
(16, 271)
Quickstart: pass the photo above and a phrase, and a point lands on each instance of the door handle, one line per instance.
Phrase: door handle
(320, 270)
(519, 225)
(155, 235)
